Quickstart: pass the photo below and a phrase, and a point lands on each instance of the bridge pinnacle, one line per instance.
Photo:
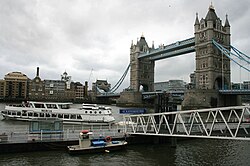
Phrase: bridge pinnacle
(197, 20)
(142, 36)
(211, 6)
(227, 22)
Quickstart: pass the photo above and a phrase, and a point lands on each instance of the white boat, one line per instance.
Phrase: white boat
(62, 111)
(100, 145)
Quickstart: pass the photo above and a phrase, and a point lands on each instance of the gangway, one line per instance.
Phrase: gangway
(219, 123)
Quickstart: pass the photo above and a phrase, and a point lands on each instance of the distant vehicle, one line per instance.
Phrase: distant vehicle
(62, 111)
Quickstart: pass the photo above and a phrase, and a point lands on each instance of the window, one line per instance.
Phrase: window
(79, 117)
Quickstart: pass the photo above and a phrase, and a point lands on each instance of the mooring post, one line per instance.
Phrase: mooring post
(174, 107)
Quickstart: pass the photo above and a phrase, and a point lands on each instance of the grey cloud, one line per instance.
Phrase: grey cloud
(78, 36)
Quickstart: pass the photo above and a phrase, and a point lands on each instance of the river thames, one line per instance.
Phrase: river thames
(189, 152)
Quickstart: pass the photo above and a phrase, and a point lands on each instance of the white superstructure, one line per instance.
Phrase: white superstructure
(63, 111)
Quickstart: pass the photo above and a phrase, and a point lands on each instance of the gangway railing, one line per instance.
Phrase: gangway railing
(69, 133)
(218, 123)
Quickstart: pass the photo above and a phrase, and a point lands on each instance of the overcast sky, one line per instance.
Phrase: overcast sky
(90, 39)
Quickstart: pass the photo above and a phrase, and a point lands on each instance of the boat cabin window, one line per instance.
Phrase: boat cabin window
(52, 106)
(37, 105)
(63, 106)
(19, 113)
(60, 116)
(66, 116)
(79, 117)
(72, 116)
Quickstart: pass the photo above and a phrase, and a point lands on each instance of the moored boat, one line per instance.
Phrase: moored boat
(100, 145)
(63, 111)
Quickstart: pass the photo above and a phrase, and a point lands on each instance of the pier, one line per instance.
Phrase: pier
(25, 141)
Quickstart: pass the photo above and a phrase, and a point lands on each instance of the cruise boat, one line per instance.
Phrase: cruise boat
(62, 111)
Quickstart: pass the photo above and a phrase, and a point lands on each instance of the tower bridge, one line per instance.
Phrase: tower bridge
(213, 53)
(211, 44)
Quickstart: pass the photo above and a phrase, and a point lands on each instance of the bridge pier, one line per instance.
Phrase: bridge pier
(205, 98)
(200, 98)
(231, 100)
(130, 99)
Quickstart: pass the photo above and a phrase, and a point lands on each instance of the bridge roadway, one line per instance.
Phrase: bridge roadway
(218, 123)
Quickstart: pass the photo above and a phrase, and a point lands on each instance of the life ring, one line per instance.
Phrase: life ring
(84, 131)
(108, 139)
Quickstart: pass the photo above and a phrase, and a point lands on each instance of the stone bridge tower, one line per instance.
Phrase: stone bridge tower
(141, 75)
(212, 67)
(141, 70)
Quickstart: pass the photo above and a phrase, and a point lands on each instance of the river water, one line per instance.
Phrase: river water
(189, 152)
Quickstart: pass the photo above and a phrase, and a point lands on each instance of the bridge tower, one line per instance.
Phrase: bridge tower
(212, 67)
(141, 75)
(141, 70)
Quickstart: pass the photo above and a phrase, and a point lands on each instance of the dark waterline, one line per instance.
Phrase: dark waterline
(189, 152)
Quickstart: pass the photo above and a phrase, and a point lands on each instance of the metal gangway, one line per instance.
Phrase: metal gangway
(217, 123)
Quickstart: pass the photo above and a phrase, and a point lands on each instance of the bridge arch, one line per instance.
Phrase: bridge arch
(221, 83)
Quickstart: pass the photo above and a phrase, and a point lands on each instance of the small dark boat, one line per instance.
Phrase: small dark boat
(100, 145)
